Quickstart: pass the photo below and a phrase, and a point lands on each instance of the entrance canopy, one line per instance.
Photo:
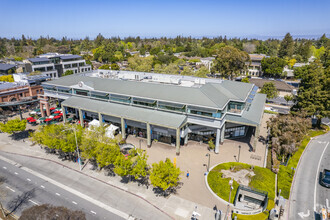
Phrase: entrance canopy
(151, 116)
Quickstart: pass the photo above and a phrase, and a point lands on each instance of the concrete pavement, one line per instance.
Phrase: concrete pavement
(307, 195)
(28, 190)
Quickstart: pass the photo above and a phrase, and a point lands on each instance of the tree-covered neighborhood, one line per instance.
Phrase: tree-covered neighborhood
(165, 110)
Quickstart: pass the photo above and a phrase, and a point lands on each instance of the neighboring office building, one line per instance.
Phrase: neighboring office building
(6, 69)
(254, 68)
(168, 113)
(54, 64)
(43, 65)
(207, 61)
(25, 87)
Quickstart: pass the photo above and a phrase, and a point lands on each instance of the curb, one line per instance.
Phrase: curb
(294, 175)
(140, 197)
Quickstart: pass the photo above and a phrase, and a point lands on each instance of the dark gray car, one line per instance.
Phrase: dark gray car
(325, 178)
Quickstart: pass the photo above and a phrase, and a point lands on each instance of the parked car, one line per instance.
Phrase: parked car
(325, 178)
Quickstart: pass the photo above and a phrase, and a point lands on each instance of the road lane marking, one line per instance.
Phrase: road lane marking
(4, 168)
(74, 202)
(93, 212)
(33, 202)
(28, 180)
(16, 173)
(81, 195)
(57, 194)
(303, 215)
(10, 189)
(42, 186)
(327, 203)
(318, 174)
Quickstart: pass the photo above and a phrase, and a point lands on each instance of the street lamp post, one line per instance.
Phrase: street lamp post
(77, 149)
(79, 159)
(208, 165)
(140, 143)
(239, 151)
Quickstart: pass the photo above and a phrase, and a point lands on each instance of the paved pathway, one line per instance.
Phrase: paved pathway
(192, 158)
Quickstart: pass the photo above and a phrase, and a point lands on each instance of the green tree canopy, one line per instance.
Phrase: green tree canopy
(105, 67)
(286, 47)
(165, 175)
(115, 66)
(12, 126)
(230, 61)
(245, 80)
(269, 89)
(273, 66)
(313, 94)
(68, 72)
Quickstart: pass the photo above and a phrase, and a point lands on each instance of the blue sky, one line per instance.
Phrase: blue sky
(147, 18)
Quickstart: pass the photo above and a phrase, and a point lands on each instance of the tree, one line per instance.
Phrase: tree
(165, 175)
(13, 126)
(269, 89)
(273, 66)
(140, 168)
(322, 42)
(68, 72)
(288, 98)
(286, 47)
(292, 62)
(104, 67)
(47, 211)
(115, 66)
(140, 64)
(230, 61)
(313, 94)
(123, 166)
(245, 80)
(287, 132)
(202, 72)
(188, 71)
(7, 78)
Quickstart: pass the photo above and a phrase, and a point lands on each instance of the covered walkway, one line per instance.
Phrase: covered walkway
(126, 113)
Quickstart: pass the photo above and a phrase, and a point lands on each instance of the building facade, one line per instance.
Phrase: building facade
(254, 67)
(55, 65)
(167, 113)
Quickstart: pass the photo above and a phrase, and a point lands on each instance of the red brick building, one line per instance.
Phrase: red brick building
(10, 92)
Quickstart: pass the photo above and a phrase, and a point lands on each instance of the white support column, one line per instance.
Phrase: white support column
(81, 118)
(186, 136)
(178, 141)
(148, 135)
(217, 141)
(101, 119)
(222, 136)
(64, 113)
(123, 133)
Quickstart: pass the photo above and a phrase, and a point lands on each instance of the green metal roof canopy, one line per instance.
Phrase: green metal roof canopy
(154, 117)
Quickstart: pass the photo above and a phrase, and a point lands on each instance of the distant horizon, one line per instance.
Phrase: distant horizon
(249, 37)
(77, 19)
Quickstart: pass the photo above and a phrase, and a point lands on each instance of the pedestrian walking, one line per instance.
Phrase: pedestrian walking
(187, 174)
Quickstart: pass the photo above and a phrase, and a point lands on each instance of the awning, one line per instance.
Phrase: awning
(145, 115)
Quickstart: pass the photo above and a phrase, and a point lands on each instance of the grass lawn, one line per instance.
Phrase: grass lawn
(264, 179)
(285, 174)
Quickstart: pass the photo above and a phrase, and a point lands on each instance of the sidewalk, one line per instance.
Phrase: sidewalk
(192, 158)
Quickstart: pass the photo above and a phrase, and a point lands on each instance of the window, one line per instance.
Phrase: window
(172, 106)
(66, 66)
(49, 87)
(64, 90)
(144, 102)
(235, 107)
(204, 111)
(37, 91)
(74, 65)
(49, 68)
(81, 64)
(120, 98)
(81, 92)
(100, 95)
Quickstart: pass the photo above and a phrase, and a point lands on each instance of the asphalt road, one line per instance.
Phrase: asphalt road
(96, 191)
(23, 190)
(308, 196)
